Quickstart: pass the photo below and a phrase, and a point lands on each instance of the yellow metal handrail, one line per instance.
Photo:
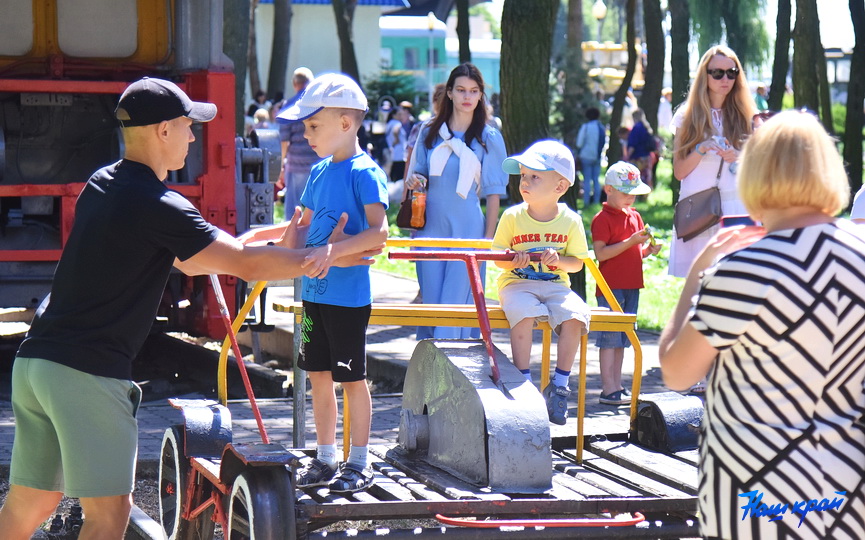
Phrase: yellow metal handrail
(222, 386)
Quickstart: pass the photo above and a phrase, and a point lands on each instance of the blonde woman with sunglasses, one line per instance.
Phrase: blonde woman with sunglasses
(710, 129)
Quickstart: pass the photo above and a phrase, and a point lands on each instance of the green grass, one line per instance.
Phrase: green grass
(657, 299)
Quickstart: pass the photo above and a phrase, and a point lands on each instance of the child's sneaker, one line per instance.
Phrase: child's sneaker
(314, 473)
(614, 398)
(351, 479)
(557, 403)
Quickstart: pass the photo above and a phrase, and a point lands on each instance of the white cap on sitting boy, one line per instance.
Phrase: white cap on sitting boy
(626, 178)
(326, 90)
(546, 155)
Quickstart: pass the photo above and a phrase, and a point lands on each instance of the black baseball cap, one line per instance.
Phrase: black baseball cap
(150, 101)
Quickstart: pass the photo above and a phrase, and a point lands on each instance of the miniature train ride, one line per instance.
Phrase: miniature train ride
(474, 450)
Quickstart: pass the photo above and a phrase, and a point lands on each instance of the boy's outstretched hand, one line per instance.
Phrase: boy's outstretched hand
(317, 263)
(294, 236)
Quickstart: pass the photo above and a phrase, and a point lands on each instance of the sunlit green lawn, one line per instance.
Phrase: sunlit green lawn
(656, 300)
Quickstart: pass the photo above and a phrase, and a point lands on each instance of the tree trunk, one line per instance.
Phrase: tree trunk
(680, 37)
(525, 73)
(254, 76)
(781, 65)
(654, 72)
(614, 151)
(235, 43)
(572, 58)
(823, 76)
(282, 14)
(573, 61)
(805, 61)
(463, 30)
(344, 12)
(855, 94)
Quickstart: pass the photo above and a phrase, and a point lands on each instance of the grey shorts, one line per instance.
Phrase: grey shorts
(543, 301)
(74, 432)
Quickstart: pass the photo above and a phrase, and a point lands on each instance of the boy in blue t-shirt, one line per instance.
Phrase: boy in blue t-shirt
(337, 301)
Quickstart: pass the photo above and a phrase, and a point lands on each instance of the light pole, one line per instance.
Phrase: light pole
(599, 11)
(431, 20)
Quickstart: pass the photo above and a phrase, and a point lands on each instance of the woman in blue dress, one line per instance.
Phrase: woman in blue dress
(459, 161)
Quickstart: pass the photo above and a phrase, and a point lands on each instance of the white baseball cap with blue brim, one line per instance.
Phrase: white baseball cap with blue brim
(326, 90)
(548, 155)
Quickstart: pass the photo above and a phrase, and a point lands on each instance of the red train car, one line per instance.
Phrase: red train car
(63, 66)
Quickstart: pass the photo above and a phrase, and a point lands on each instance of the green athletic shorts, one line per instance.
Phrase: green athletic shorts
(74, 432)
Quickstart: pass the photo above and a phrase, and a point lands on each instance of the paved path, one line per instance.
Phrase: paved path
(389, 348)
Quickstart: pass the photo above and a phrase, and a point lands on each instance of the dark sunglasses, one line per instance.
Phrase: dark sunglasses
(764, 115)
(718, 74)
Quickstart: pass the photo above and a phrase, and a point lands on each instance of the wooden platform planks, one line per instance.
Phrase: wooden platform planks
(655, 465)
(407, 487)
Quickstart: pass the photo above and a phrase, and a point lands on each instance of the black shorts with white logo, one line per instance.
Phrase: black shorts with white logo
(333, 338)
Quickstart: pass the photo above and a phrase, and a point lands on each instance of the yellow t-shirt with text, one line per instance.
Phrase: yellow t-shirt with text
(518, 231)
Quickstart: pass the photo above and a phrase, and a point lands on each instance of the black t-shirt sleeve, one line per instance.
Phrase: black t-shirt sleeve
(178, 226)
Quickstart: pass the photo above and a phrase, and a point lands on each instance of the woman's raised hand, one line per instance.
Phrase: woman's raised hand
(416, 181)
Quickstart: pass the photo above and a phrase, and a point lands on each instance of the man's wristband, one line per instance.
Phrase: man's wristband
(697, 148)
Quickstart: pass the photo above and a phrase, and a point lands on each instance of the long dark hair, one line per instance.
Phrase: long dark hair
(445, 108)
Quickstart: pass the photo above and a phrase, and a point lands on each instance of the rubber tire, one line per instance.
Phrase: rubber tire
(262, 505)
(173, 470)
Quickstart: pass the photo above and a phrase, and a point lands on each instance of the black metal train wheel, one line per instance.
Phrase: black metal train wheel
(173, 469)
(262, 506)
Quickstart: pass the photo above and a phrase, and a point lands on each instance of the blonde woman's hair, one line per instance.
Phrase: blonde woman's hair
(737, 111)
(791, 161)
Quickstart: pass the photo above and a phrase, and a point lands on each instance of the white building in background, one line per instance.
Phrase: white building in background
(314, 41)
(486, 55)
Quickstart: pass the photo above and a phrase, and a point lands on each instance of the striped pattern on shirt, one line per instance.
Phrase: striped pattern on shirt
(786, 397)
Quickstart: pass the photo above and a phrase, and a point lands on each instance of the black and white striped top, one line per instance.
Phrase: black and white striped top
(785, 407)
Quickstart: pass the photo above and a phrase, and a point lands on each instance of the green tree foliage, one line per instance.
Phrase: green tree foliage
(480, 10)
(739, 21)
(397, 85)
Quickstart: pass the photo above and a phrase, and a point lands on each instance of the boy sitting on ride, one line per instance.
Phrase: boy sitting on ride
(536, 291)
(337, 301)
